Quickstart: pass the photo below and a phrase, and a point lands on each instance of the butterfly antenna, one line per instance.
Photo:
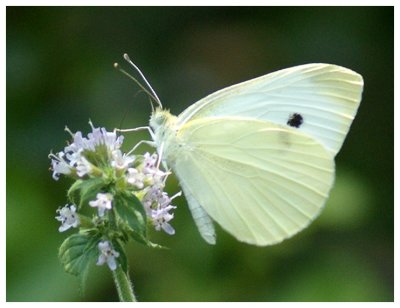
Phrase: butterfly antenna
(127, 59)
(152, 107)
(116, 65)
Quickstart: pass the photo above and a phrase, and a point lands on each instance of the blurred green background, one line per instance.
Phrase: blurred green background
(59, 72)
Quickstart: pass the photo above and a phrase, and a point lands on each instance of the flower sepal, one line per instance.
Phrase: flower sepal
(85, 222)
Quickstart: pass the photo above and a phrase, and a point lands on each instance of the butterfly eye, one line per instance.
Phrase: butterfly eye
(160, 118)
(295, 120)
(157, 119)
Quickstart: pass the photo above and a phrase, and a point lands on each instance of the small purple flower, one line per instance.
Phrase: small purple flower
(103, 202)
(121, 161)
(59, 165)
(67, 217)
(107, 255)
(161, 217)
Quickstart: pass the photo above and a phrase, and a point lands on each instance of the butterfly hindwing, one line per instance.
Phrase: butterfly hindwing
(202, 220)
(260, 181)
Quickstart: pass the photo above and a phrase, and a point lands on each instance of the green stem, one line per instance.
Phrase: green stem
(124, 285)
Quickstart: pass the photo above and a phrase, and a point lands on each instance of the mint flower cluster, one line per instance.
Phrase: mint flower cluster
(114, 198)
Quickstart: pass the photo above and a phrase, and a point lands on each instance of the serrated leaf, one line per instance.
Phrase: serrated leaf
(78, 251)
(130, 210)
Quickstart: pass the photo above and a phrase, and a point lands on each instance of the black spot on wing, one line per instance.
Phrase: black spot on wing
(295, 120)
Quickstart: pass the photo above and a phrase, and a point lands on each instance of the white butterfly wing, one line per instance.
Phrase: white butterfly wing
(326, 96)
(260, 181)
(202, 220)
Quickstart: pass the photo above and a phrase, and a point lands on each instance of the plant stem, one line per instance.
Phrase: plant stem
(124, 285)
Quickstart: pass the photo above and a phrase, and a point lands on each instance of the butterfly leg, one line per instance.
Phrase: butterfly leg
(148, 128)
(160, 152)
(148, 142)
(160, 156)
(136, 129)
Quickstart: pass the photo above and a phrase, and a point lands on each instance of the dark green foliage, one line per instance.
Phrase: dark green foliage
(83, 191)
(130, 212)
(78, 251)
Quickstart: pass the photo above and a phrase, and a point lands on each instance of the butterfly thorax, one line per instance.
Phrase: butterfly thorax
(163, 124)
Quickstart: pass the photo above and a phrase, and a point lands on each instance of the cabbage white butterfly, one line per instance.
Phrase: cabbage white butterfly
(258, 157)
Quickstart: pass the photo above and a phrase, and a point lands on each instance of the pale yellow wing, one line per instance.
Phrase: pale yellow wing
(325, 97)
(262, 182)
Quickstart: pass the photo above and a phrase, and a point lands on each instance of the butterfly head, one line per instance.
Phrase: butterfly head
(161, 120)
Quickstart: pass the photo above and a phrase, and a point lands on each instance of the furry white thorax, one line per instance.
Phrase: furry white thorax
(164, 126)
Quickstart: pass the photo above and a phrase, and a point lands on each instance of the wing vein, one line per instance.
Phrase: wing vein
(267, 170)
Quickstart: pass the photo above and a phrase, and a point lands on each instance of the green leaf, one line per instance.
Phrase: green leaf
(154, 245)
(74, 192)
(122, 260)
(78, 251)
(145, 241)
(131, 212)
(83, 191)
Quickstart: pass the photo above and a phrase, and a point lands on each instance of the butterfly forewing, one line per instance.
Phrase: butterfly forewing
(325, 96)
